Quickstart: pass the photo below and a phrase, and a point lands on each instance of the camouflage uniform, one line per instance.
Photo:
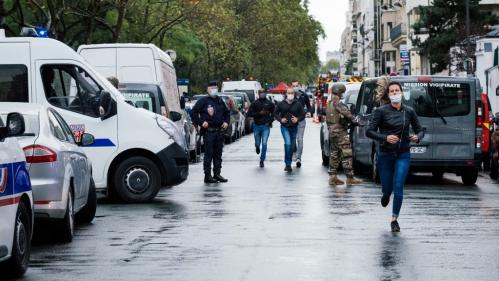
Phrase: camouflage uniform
(340, 148)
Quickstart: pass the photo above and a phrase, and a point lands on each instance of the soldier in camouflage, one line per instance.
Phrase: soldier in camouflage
(338, 117)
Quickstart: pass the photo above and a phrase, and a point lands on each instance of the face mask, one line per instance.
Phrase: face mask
(291, 96)
(213, 92)
(396, 98)
(262, 95)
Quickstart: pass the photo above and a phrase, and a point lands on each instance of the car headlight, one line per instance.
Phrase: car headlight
(171, 130)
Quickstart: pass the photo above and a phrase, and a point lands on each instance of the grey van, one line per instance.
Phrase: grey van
(448, 110)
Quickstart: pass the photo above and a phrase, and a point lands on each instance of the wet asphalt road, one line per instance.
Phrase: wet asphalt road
(268, 225)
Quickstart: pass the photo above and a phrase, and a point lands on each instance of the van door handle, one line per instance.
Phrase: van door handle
(72, 157)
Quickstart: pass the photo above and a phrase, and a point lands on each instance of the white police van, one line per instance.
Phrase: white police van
(135, 151)
(16, 201)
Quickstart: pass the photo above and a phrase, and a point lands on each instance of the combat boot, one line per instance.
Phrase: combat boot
(334, 180)
(353, 181)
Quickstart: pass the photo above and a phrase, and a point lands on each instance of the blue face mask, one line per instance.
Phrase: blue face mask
(213, 92)
(262, 95)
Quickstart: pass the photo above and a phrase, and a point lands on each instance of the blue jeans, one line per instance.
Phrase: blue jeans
(289, 136)
(261, 134)
(393, 168)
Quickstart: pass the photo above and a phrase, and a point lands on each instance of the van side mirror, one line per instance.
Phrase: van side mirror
(107, 106)
(175, 116)
(87, 139)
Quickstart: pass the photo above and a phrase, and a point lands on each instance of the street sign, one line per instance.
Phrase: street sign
(404, 55)
(182, 81)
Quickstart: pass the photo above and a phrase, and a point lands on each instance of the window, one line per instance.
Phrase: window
(65, 127)
(56, 128)
(71, 88)
(14, 83)
(438, 99)
(416, 95)
(141, 99)
(487, 47)
(453, 100)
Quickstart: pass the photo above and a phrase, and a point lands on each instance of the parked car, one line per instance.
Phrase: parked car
(352, 92)
(61, 174)
(248, 125)
(16, 200)
(450, 112)
(251, 88)
(237, 117)
(46, 71)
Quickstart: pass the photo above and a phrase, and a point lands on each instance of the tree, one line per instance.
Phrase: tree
(445, 21)
(332, 64)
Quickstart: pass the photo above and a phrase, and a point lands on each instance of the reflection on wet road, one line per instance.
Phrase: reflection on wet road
(268, 225)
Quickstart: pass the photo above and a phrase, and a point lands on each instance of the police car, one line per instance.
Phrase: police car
(16, 201)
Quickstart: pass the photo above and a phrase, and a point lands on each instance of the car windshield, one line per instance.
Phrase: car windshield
(438, 99)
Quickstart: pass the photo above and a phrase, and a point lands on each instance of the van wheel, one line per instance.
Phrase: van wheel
(137, 179)
(87, 214)
(18, 263)
(68, 222)
(375, 172)
(469, 177)
(494, 173)
(325, 159)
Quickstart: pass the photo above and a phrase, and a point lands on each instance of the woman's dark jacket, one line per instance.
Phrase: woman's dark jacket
(387, 120)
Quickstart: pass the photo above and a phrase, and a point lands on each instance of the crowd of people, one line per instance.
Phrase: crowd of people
(390, 126)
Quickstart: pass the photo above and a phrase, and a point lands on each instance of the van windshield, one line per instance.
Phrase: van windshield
(438, 99)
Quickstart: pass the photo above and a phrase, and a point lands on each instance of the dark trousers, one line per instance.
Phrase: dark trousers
(213, 146)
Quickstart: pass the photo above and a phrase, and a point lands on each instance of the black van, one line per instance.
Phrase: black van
(450, 112)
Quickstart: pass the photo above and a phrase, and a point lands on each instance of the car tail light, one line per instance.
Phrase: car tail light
(479, 115)
(478, 142)
(39, 154)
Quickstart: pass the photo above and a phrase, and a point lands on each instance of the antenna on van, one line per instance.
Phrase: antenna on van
(172, 54)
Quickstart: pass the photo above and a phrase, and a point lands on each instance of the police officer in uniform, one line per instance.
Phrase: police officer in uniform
(338, 118)
(212, 115)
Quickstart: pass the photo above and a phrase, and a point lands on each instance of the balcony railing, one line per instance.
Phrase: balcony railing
(398, 31)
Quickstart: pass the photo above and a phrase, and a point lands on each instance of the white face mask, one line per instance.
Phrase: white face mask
(291, 96)
(396, 98)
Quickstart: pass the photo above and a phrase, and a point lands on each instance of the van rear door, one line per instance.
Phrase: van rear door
(417, 96)
(454, 122)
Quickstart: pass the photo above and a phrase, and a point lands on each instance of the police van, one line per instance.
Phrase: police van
(135, 151)
(451, 113)
(16, 200)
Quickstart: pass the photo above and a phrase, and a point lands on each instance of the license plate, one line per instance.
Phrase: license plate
(418, 149)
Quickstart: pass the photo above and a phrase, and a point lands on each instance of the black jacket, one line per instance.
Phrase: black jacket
(304, 100)
(212, 110)
(262, 111)
(387, 120)
(286, 110)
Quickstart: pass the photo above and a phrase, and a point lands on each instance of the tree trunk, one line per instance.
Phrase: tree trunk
(121, 16)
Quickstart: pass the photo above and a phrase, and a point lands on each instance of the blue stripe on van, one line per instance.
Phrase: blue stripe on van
(102, 143)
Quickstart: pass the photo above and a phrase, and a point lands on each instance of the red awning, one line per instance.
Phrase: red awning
(280, 88)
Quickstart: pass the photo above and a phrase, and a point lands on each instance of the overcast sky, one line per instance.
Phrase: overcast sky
(331, 14)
